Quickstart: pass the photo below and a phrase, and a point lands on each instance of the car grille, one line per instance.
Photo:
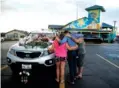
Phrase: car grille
(28, 55)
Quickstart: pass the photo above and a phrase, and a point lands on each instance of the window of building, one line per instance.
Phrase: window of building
(15, 35)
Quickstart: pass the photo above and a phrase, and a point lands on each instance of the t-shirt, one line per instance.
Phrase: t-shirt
(81, 48)
(75, 35)
(68, 40)
(60, 49)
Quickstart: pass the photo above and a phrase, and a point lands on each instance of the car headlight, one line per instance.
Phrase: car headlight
(13, 52)
(45, 53)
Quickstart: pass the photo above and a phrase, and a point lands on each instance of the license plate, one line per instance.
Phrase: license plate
(26, 66)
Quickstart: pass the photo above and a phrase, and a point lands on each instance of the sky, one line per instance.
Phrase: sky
(31, 15)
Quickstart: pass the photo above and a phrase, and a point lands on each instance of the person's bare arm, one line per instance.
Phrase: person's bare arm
(57, 39)
(71, 47)
(79, 40)
(51, 48)
(75, 40)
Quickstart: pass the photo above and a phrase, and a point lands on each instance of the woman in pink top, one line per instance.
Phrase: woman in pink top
(61, 55)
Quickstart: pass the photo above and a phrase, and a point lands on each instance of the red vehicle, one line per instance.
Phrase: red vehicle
(117, 38)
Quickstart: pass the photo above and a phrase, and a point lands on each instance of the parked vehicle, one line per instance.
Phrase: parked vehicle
(117, 39)
(30, 56)
(92, 38)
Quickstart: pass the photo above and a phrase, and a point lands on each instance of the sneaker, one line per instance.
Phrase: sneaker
(75, 79)
(78, 77)
(72, 83)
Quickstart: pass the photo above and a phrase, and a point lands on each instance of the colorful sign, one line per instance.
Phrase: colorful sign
(92, 22)
(94, 19)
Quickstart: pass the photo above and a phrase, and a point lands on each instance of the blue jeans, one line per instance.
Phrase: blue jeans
(72, 64)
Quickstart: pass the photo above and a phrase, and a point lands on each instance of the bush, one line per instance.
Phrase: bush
(11, 39)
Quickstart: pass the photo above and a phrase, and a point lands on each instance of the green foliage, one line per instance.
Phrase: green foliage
(11, 39)
(40, 44)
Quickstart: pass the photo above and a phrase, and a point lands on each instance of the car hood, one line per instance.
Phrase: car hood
(17, 47)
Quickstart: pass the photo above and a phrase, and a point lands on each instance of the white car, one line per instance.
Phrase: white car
(22, 55)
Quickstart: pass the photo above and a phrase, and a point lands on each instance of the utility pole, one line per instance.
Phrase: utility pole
(114, 25)
(77, 11)
(2, 5)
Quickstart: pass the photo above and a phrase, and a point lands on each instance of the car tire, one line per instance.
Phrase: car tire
(14, 75)
(14, 70)
(112, 41)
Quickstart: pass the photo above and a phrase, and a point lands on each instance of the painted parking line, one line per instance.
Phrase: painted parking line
(108, 61)
(62, 85)
(4, 67)
(102, 44)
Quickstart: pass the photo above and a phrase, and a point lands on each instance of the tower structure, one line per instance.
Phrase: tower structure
(94, 16)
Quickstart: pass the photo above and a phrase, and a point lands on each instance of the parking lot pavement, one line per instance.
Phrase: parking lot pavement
(7, 81)
(100, 69)
(4, 49)
(111, 53)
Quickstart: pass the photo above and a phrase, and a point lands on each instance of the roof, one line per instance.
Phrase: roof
(90, 30)
(25, 32)
(73, 21)
(95, 7)
(55, 26)
(105, 25)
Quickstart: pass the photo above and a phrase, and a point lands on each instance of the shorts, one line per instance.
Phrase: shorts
(80, 60)
(60, 59)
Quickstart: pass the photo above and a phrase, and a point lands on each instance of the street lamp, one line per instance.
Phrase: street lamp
(77, 11)
(114, 25)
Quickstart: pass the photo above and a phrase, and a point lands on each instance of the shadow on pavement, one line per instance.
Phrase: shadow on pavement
(9, 82)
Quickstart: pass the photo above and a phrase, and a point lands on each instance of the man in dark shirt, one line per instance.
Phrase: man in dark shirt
(71, 56)
(79, 39)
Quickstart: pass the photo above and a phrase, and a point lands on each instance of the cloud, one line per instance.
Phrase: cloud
(108, 3)
(28, 5)
(38, 5)
(35, 14)
(112, 11)
(110, 16)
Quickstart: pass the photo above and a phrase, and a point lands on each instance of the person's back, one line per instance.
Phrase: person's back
(68, 40)
(71, 56)
(80, 53)
(60, 50)
(61, 54)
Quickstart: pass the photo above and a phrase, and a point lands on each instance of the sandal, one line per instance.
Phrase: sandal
(78, 77)
(57, 80)
(62, 81)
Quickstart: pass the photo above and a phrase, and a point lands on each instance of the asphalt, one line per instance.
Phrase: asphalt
(101, 69)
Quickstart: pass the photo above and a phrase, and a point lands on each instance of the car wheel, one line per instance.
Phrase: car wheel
(14, 75)
(14, 70)
(112, 41)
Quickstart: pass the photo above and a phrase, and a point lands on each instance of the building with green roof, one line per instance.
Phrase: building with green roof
(91, 25)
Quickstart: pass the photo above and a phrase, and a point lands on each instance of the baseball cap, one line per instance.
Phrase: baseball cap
(77, 35)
